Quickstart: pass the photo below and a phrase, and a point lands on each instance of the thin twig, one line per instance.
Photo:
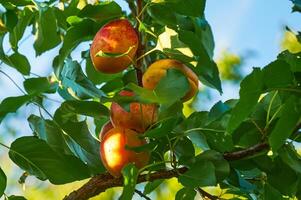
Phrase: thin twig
(140, 50)
(12, 80)
(237, 155)
(205, 194)
(142, 195)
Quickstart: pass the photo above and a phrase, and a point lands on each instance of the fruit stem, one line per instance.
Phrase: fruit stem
(140, 50)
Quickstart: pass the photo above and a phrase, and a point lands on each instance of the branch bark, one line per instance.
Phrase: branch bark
(100, 183)
(237, 155)
(205, 194)
(140, 50)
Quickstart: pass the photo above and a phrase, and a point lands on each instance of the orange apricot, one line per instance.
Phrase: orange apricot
(158, 69)
(139, 117)
(116, 37)
(114, 154)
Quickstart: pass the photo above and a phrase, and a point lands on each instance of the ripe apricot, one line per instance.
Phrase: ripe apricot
(114, 154)
(158, 69)
(116, 37)
(139, 118)
(105, 128)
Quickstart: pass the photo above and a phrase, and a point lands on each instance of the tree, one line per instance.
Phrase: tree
(244, 146)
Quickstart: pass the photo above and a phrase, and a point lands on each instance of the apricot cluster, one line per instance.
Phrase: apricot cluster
(113, 49)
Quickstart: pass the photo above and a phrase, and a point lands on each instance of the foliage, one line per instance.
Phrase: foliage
(63, 148)
(228, 65)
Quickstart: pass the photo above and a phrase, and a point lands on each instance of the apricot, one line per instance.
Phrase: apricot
(158, 69)
(114, 38)
(114, 154)
(139, 117)
(105, 128)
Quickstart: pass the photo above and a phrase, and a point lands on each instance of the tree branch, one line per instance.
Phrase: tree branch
(205, 194)
(100, 183)
(142, 195)
(140, 50)
(237, 155)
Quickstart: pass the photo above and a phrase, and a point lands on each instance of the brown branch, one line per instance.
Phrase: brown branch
(237, 155)
(100, 183)
(205, 194)
(140, 50)
(142, 195)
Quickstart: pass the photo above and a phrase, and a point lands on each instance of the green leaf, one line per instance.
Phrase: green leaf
(37, 158)
(190, 7)
(222, 167)
(146, 147)
(39, 85)
(217, 138)
(198, 139)
(80, 141)
(206, 68)
(88, 108)
(19, 62)
(10, 19)
(18, 2)
(130, 175)
(184, 148)
(59, 141)
(289, 156)
(3, 181)
(101, 12)
(277, 74)
(113, 55)
(284, 127)
(80, 32)
(218, 110)
(113, 85)
(24, 19)
(200, 174)
(130, 77)
(47, 36)
(246, 135)
(250, 90)
(271, 193)
(293, 59)
(172, 87)
(143, 95)
(162, 14)
(12, 104)
(282, 178)
(97, 77)
(177, 55)
(297, 5)
(80, 133)
(164, 128)
(13, 197)
(151, 186)
(203, 30)
(73, 77)
(50, 132)
(185, 194)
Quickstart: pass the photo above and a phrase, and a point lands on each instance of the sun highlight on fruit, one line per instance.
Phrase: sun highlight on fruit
(158, 69)
(114, 154)
(114, 46)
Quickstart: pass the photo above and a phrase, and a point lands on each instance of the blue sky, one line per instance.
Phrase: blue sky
(251, 25)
